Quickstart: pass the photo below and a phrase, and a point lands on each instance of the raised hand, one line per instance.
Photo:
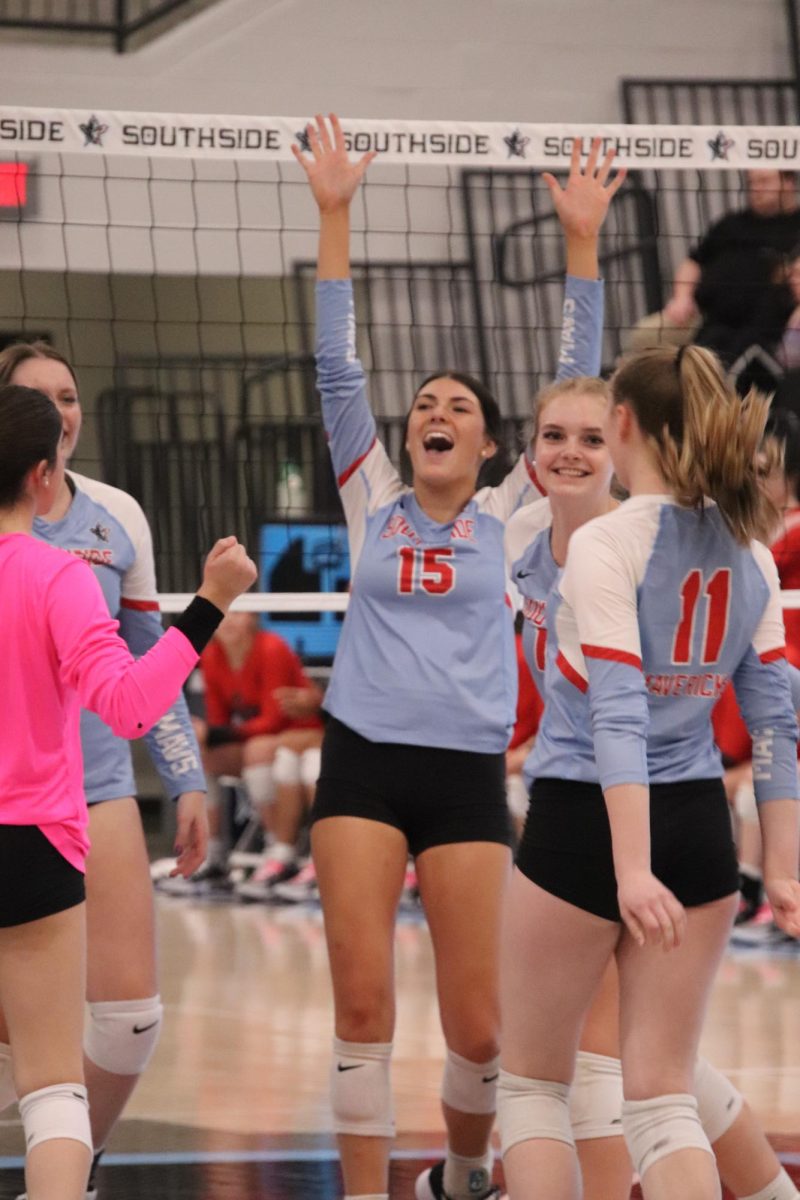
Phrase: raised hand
(227, 573)
(651, 913)
(333, 178)
(582, 205)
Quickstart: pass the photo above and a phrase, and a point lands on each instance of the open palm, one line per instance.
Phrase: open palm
(582, 205)
(333, 178)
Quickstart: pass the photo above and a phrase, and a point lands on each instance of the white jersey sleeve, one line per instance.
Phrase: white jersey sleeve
(600, 648)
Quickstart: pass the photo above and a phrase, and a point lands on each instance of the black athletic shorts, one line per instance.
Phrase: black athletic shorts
(566, 843)
(435, 797)
(35, 880)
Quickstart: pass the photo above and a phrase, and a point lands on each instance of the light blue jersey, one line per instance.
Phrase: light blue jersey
(656, 610)
(426, 655)
(107, 528)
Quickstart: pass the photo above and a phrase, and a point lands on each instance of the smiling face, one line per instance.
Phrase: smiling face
(446, 435)
(572, 459)
(55, 380)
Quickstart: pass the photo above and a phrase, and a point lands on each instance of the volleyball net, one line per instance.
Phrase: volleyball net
(172, 259)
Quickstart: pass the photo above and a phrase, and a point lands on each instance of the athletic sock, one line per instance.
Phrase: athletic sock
(466, 1178)
(781, 1188)
(281, 852)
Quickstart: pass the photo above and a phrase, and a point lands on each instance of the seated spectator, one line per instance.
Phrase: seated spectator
(788, 350)
(731, 291)
(262, 725)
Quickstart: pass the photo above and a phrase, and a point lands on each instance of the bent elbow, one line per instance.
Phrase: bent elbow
(130, 727)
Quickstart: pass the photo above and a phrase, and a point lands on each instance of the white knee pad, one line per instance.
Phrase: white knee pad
(310, 763)
(718, 1101)
(286, 767)
(595, 1102)
(260, 784)
(361, 1090)
(517, 796)
(470, 1087)
(121, 1035)
(8, 1093)
(661, 1126)
(528, 1109)
(60, 1111)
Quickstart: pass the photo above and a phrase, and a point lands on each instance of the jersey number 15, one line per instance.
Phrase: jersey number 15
(429, 570)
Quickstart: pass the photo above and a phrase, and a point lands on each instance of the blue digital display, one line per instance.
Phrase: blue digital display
(305, 557)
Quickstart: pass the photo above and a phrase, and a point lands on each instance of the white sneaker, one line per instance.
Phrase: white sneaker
(300, 890)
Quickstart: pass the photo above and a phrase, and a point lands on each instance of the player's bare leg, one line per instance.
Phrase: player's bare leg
(357, 858)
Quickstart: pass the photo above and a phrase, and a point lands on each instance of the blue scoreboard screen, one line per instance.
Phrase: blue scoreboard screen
(305, 557)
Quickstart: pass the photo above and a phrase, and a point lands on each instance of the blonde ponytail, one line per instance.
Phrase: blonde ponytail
(705, 436)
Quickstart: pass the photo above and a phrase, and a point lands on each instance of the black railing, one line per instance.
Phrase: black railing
(793, 41)
(686, 203)
(120, 20)
(517, 277)
(709, 101)
(413, 318)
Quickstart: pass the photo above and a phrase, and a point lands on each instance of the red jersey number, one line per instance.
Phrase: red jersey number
(717, 592)
(429, 570)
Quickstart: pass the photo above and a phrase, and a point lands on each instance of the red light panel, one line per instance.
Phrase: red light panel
(13, 185)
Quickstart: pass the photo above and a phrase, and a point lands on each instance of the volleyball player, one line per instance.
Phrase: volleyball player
(60, 650)
(574, 468)
(421, 703)
(107, 528)
(643, 636)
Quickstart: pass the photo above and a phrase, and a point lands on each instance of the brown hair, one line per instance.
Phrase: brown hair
(705, 437)
(20, 352)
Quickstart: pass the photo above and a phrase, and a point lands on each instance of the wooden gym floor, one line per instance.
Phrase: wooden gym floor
(234, 1104)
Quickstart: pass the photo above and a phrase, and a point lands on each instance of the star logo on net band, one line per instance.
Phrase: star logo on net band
(517, 144)
(93, 131)
(719, 146)
(303, 140)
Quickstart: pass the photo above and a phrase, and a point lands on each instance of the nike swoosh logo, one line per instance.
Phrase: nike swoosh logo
(524, 574)
(354, 1067)
(144, 1028)
(491, 1078)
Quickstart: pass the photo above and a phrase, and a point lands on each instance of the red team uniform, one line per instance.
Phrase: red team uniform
(245, 698)
(730, 730)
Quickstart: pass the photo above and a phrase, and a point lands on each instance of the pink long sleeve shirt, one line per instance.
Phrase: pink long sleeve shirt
(59, 651)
